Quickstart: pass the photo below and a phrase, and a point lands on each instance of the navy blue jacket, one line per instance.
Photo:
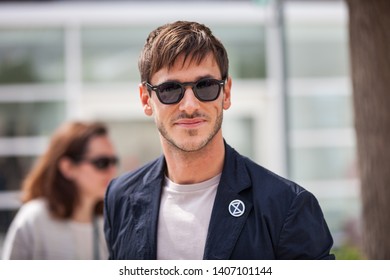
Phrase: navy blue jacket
(281, 219)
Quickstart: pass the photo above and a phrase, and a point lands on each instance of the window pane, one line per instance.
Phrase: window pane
(320, 111)
(239, 133)
(327, 163)
(136, 142)
(317, 50)
(341, 213)
(31, 55)
(111, 54)
(12, 172)
(246, 49)
(6, 217)
(30, 119)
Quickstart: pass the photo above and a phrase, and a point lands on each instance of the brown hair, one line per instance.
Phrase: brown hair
(45, 178)
(191, 39)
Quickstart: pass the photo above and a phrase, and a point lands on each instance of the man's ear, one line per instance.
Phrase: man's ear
(145, 100)
(226, 93)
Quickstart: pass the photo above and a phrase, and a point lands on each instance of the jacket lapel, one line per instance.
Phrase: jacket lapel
(146, 210)
(228, 220)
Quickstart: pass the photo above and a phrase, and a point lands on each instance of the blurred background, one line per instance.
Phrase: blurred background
(291, 98)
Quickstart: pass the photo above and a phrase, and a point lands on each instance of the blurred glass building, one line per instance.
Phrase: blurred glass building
(291, 99)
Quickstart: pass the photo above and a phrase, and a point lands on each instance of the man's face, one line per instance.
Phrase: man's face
(190, 124)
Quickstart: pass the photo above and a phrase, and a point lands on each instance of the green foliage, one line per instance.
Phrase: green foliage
(348, 252)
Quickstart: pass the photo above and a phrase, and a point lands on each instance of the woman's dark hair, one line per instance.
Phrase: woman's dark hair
(45, 179)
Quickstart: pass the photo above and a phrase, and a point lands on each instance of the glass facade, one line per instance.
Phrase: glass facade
(17, 121)
(320, 111)
(246, 48)
(320, 115)
(318, 49)
(322, 163)
(109, 54)
(31, 55)
(32, 104)
(12, 170)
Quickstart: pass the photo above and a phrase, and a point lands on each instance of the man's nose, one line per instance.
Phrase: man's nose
(190, 103)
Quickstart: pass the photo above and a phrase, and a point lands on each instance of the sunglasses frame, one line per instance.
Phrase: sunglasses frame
(183, 86)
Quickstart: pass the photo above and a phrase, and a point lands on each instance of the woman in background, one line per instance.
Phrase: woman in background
(61, 217)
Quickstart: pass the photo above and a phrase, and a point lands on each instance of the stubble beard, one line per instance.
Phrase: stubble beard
(190, 146)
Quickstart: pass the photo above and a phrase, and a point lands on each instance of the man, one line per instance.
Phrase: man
(201, 199)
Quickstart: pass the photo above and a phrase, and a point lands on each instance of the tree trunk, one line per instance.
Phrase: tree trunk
(369, 29)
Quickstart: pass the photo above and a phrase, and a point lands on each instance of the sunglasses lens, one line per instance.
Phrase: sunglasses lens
(104, 162)
(208, 90)
(169, 93)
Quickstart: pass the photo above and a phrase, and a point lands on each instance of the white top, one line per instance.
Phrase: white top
(35, 234)
(184, 218)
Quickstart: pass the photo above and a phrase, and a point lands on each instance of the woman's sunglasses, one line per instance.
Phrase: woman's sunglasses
(102, 162)
(172, 92)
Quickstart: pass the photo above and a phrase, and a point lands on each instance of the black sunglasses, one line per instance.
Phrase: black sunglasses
(102, 162)
(173, 92)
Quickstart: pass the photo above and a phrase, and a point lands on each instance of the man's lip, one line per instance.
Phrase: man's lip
(189, 121)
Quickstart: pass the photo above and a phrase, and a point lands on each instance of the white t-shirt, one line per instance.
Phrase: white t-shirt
(184, 218)
(35, 234)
